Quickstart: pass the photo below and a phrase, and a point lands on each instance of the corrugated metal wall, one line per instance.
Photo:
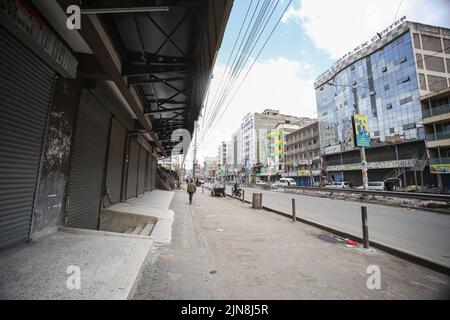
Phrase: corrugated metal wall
(27, 85)
(87, 166)
(115, 163)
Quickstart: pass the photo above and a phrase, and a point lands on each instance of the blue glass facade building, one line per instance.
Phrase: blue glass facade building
(389, 91)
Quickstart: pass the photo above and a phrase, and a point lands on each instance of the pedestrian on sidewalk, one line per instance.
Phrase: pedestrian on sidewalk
(191, 189)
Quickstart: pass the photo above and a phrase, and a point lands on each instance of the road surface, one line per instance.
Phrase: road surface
(420, 232)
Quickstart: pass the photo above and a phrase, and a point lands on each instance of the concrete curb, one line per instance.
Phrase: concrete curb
(102, 233)
(403, 254)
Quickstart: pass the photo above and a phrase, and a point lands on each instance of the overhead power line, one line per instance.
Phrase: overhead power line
(254, 61)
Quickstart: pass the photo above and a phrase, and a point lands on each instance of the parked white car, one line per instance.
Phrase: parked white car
(260, 182)
(374, 186)
(285, 182)
(338, 185)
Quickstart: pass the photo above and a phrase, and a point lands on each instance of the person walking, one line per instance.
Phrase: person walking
(191, 189)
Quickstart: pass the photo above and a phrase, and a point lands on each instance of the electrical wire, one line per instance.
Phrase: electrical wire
(259, 53)
(240, 62)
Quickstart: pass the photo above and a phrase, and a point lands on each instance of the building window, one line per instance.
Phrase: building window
(389, 106)
(384, 69)
(406, 100)
(386, 87)
(403, 80)
(400, 61)
(409, 126)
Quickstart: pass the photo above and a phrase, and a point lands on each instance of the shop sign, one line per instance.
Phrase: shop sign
(23, 16)
(333, 149)
(304, 162)
(440, 168)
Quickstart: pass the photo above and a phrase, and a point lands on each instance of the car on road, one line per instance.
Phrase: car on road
(374, 186)
(260, 182)
(285, 182)
(338, 185)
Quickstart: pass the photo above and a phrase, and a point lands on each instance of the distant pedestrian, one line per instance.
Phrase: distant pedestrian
(191, 189)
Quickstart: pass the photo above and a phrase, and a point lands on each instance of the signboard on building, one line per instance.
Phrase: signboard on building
(440, 168)
(361, 127)
(21, 18)
(390, 164)
(304, 162)
(332, 149)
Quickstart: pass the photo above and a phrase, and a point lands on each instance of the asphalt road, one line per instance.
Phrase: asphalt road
(420, 232)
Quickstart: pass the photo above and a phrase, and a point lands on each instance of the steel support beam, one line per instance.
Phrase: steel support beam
(164, 111)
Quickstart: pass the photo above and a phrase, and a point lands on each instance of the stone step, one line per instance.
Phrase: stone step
(137, 230)
(147, 230)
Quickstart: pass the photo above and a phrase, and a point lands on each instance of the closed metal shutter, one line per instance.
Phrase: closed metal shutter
(26, 87)
(154, 168)
(133, 166)
(115, 163)
(142, 170)
(87, 165)
(150, 172)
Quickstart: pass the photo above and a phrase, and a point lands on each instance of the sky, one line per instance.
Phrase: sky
(310, 37)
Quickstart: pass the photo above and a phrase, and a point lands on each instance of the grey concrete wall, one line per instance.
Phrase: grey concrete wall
(48, 210)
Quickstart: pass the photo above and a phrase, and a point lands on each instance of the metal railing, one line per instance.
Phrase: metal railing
(442, 160)
(438, 136)
(436, 111)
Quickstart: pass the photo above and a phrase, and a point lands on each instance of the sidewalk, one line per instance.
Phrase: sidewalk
(222, 249)
(109, 263)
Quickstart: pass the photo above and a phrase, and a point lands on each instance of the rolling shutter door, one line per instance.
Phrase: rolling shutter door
(150, 172)
(115, 162)
(142, 168)
(86, 174)
(27, 85)
(133, 166)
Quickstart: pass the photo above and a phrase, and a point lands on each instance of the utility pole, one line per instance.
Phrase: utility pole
(364, 166)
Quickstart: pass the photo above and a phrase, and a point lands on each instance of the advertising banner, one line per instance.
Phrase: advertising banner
(440, 168)
(361, 128)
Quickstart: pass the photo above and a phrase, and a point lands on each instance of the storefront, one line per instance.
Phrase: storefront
(31, 57)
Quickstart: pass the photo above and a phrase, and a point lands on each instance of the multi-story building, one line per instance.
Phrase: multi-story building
(254, 133)
(391, 74)
(303, 155)
(237, 154)
(436, 120)
(272, 146)
(211, 167)
(225, 157)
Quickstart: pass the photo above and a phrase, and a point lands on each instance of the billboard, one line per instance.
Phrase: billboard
(361, 129)
(440, 168)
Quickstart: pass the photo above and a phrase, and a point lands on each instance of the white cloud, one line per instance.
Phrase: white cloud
(339, 26)
(279, 83)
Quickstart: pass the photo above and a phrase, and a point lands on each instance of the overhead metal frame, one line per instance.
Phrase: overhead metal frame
(168, 73)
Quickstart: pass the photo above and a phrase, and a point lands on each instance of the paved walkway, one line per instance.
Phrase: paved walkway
(109, 263)
(108, 266)
(222, 249)
(176, 271)
(419, 232)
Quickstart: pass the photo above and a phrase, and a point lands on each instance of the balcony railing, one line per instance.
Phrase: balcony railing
(438, 136)
(442, 160)
(436, 111)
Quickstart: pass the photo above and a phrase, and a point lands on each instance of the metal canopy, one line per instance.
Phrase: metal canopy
(167, 50)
